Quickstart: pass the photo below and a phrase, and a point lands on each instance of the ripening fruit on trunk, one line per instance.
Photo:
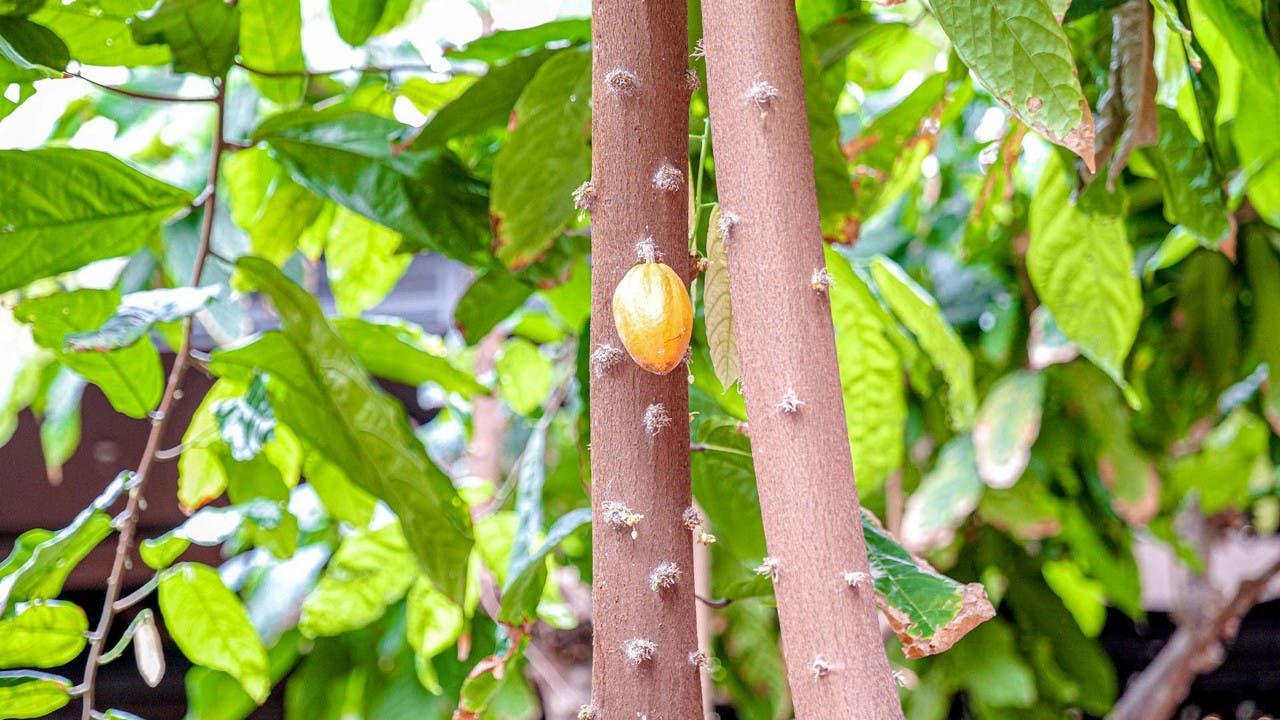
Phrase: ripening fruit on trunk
(654, 317)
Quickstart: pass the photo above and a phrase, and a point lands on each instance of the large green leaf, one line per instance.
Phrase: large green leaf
(61, 209)
(97, 31)
(319, 391)
(45, 634)
(485, 105)
(271, 40)
(131, 377)
(544, 159)
(138, 313)
(401, 351)
(1228, 460)
(369, 572)
(362, 262)
(356, 19)
(28, 694)
(204, 35)
(491, 297)
(524, 375)
(1018, 51)
(432, 623)
(1007, 426)
(871, 377)
(927, 610)
(267, 203)
(946, 497)
(210, 625)
(29, 51)
(1193, 195)
(1081, 267)
(506, 44)
(353, 158)
(919, 312)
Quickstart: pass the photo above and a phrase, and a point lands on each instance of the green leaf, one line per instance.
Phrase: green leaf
(271, 40)
(523, 589)
(987, 664)
(1221, 471)
(369, 572)
(97, 31)
(506, 44)
(492, 296)
(485, 105)
(270, 206)
(836, 198)
(32, 51)
(524, 375)
(210, 626)
(722, 343)
(204, 35)
(1081, 267)
(871, 377)
(317, 389)
(60, 425)
(928, 611)
(919, 312)
(354, 159)
(104, 209)
(1018, 51)
(725, 485)
(43, 635)
(362, 262)
(401, 351)
(246, 423)
(543, 160)
(138, 313)
(344, 500)
(201, 476)
(28, 694)
(947, 495)
(210, 527)
(1127, 112)
(41, 561)
(433, 622)
(1193, 194)
(131, 378)
(1007, 426)
(356, 19)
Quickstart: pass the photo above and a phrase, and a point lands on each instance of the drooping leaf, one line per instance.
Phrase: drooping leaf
(204, 35)
(492, 296)
(60, 424)
(41, 561)
(362, 262)
(722, 344)
(1019, 52)
(1007, 426)
(523, 589)
(506, 44)
(97, 31)
(524, 375)
(871, 377)
(30, 694)
(928, 611)
(209, 624)
(543, 160)
(138, 313)
(271, 40)
(356, 19)
(43, 635)
(486, 104)
(369, 572)
(401, 351)
(131, 378)
(209, 527)
(29, 51)
(1081, 266)
(353, 158)
(918, 311)
(1127, 111)
(947, 495)
(1193, 195)
(317, 389)
(105, 209)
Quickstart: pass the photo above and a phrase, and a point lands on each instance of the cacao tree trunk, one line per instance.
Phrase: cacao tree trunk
(643, 636)
(836, 663)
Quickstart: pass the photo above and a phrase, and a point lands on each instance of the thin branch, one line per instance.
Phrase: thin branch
(139, 95)
(136, 596)
(1195, 648)
(376, 69)
(129, 523)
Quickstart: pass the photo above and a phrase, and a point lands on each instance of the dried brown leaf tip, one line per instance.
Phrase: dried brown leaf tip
(621, 82)
(584, 198)
(618, 515)
(639, 651)
(656, 418)
(855, 579)
(603, 358)
(665, 576)
(668, 178)
(699, 659)
(769, 568)
(820, 667)
(588, 712)
(975, 609)
(789, 403)
(821, 280)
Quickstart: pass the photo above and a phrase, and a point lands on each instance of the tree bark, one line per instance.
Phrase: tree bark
(836, 663)
(643, 637)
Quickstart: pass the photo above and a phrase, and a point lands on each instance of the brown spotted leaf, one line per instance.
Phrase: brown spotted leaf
(1127, 111)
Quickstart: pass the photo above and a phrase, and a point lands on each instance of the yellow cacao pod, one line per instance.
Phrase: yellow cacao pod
(654, 317)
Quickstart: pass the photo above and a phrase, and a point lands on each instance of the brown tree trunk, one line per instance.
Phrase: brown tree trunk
(836, 663)
(643, 636)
